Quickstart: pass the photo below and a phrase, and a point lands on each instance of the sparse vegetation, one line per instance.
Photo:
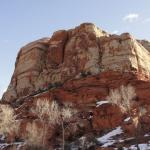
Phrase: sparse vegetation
(8, 122)
(34, 135)
(58, 84)
(123, 97)
(54, 85)
(49, 114)
(84, 74)
(142, 111)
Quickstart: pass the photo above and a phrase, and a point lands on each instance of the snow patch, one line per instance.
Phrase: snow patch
(101, 103)
(2, 137)
(123, 140)
(143, 146)
(127, 119)
(146, 135)
(107, 140)
(131, 138)
(5, 145)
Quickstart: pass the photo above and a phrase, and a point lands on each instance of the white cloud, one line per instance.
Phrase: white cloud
(131, 17)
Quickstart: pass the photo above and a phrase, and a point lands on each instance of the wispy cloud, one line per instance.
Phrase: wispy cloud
(131, 17)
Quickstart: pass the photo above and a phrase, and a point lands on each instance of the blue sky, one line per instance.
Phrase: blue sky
(22, 21)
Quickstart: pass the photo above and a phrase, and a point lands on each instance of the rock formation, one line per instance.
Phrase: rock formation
(81, 66)
(69, 54)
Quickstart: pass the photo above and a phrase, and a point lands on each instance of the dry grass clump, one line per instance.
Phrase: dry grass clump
(46, 111)
(49, 114)
(122, 97)
(34, 135)
(8, 122)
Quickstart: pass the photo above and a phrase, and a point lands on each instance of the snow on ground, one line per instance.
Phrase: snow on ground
(146, 135)
(2, 137)
(124, 140)
(18, 144)
(107, 140)
(3, 145)
(143, 146)
(101, 103)
(130, 138)
(127, 119)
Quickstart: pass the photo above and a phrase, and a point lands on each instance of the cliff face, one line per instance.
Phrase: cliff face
(69, 54)
(81, 66)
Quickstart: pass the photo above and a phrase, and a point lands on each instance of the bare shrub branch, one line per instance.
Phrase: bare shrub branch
(142, 111)
(34, 135)
(50, 114)
(122, 97)
(47, 111)
(8, 122)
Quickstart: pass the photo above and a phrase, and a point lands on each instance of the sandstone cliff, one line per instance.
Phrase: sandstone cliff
(81, 66)
(69, 54)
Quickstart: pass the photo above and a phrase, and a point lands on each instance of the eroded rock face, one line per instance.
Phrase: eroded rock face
(57, 59)
(145, 44)
(107, 116)
(29, 65)
(80, 67)
(72, 54)
(124, 54)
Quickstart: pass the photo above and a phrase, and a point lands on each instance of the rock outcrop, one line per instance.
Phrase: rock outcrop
(73, 53)
(80, 66)
(145, 44)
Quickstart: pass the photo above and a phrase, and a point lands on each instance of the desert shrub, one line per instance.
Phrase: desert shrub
(85, 74)
(50, 85)
(122, 97)
(49, 114)
(142, 111)
(121, 148)
(8, 123)
(58, 84)
(54, 85)
(34, 136)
